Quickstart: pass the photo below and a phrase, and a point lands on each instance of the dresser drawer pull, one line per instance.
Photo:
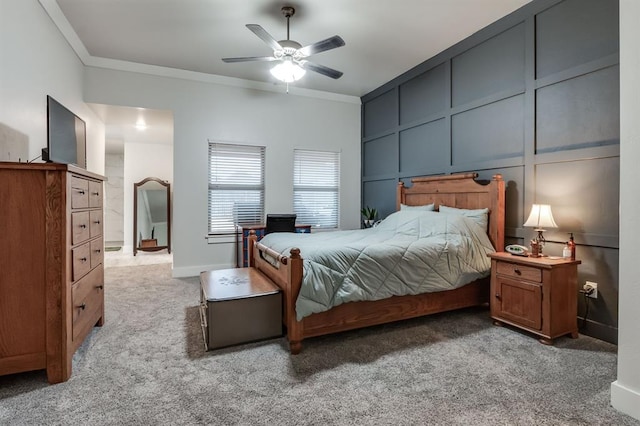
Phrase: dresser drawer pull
(497, 295)
(96, 193)
(98, 250)
(100, 287)
(83, 306)
(83, 259)
(97, 222)
(83, 226)
(517, 271)
(80, 191)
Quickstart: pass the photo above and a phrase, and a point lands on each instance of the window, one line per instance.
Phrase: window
(236, 186)
(316, 184)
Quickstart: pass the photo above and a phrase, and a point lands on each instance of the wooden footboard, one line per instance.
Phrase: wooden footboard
(286, 273)
(459, 191)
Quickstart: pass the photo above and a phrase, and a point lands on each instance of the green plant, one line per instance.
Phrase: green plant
(369, 213)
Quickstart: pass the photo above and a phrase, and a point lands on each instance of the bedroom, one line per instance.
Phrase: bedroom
(22, 98)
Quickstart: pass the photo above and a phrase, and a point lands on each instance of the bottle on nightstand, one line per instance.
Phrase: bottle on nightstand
(572, 246)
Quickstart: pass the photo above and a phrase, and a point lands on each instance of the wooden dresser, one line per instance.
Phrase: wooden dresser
(51, 265)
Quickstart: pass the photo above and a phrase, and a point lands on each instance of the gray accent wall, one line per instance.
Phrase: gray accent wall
(534, 97)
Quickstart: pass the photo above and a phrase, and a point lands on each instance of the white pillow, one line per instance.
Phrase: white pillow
(479, 216)
(426, 207)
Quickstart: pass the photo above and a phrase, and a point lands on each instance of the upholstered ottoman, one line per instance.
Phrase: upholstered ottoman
(238, 306)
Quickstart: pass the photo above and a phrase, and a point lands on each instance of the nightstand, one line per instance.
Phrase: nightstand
(537, 294)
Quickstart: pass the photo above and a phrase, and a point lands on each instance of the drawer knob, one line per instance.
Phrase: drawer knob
(100, 287)
(96, 193)
(83, 306)
(80, 191)
(83, 226)
(98, 250)
(517, 271)
(83, 259)
(497, 295)
(97, 222)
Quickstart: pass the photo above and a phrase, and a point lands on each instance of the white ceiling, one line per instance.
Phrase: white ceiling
(134, 125)
(383, 38)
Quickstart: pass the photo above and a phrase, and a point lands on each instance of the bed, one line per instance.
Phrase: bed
(461, 191)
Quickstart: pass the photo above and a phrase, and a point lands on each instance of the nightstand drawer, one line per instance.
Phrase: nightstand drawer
(524, 272)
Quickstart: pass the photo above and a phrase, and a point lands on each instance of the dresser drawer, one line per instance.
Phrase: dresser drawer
(81, 258)
(97, 252)
(79, 193)
(524, 272)
(79, 227)
(95, 223)
(95, 194)
(87, 297)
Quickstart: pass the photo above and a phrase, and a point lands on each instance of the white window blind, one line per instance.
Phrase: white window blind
(316, 185)
(236, 186)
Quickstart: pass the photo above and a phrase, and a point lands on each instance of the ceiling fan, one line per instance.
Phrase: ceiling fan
(290, 54)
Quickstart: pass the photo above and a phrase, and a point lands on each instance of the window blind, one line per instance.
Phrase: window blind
(316, 185)
(236, 186)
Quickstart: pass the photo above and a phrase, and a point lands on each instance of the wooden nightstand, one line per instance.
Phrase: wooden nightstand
(535, 294)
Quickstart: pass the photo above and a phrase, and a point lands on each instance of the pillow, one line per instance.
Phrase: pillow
(479, 216)
(426, 207)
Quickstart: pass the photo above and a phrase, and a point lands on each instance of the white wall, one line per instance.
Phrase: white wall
(625, 392)
(114, 198)
(143, 160)
(204, 111)
(36, 61)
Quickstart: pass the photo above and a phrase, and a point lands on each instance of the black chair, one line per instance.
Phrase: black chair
(280, 223)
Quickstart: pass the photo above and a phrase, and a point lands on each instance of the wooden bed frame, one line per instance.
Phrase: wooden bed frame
(459, 190)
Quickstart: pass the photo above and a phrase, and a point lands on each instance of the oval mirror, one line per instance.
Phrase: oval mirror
(151, 215)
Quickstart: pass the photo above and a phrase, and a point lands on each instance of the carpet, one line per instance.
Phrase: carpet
(147, 366)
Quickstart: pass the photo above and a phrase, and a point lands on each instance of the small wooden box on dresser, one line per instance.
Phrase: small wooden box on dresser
(51, 265)
(535, 294)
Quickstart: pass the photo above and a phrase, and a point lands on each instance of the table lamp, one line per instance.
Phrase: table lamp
(539, 218)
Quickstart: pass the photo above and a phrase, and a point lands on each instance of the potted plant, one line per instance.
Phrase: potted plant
(369, 214)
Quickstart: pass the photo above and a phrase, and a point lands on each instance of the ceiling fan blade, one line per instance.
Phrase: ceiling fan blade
(250, 59)
(321, 46)
(264, 36)
(321, 69)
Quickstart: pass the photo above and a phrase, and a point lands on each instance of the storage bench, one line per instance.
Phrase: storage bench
(238, 306)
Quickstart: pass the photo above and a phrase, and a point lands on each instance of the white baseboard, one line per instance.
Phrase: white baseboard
(625, 400)
(194, 271)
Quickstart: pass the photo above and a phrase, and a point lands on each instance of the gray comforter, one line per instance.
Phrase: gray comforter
(410, 252)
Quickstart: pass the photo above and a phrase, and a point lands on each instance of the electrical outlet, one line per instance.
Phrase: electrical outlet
(593, 287)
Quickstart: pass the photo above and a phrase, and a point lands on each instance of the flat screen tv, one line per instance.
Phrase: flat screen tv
(66, 136)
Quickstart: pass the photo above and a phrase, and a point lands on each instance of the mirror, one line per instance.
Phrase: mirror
(151, 215)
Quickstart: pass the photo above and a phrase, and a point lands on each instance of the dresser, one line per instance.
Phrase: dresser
(539, 295)
(51, 265)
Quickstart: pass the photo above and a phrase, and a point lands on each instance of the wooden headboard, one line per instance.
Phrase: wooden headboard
(460, 191)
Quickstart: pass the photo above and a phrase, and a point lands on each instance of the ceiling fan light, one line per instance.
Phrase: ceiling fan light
(287, 71)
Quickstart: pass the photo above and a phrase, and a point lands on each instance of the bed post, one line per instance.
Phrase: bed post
(496, 222)
(294, 327)
(399, 195)
(250, 249)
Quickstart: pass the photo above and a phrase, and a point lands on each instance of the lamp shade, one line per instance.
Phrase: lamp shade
(541, 217)
(288, 71)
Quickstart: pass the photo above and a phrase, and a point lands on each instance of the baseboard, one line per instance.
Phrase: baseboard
(599, 331)
(625, 400)
(194, 271)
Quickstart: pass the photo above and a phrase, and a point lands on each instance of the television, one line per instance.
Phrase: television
(66, 136)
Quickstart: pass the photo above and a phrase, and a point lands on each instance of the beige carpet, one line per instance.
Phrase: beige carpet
(119, 258)
(147, 366)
